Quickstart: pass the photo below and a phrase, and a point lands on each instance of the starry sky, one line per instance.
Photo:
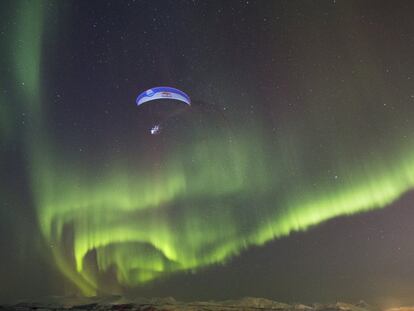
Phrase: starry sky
(289, 178)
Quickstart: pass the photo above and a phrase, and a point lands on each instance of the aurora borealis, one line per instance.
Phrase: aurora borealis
(303, 115)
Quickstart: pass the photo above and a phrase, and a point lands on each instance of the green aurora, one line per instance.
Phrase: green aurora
(205, 201)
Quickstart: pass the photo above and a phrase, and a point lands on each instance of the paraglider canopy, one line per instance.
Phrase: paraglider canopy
(163, 92)
(162, 104)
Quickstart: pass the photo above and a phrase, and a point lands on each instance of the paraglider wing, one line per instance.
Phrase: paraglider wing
(163, 92)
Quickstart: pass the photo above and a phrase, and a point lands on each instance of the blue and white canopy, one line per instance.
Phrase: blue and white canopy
(163, 92)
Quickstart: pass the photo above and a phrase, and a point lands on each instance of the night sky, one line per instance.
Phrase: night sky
(290, 177)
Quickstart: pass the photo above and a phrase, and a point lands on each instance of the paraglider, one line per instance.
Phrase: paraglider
(163, 103)
(155, 129)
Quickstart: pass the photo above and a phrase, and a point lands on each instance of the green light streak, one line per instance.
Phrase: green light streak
(27, 52)
(186, 216)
